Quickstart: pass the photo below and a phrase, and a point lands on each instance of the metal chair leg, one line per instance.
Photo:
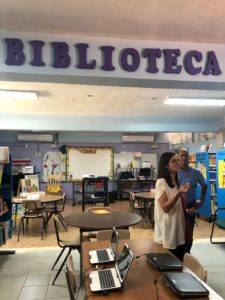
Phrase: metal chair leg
(60, 254)
(60, 269)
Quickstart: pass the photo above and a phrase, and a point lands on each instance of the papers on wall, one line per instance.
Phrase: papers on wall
(205, 148)
(54, 163)
(146, 164)
(4, 155)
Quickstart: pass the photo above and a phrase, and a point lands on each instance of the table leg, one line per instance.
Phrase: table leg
(16, 212)
(81, 258)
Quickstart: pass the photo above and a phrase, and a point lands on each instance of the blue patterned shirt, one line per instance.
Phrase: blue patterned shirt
(194, 177)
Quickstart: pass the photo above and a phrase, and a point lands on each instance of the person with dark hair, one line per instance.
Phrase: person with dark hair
(194, 177)
(169, 211)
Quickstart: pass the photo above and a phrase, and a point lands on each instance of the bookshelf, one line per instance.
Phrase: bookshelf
(6, 222)
(220, 180)
(206, 163)
(192, 160)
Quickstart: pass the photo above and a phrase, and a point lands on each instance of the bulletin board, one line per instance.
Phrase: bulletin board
(86, 161)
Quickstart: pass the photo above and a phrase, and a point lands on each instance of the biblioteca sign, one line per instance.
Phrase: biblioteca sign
(110, 56)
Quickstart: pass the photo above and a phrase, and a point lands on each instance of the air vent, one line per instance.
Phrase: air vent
(134, 138)
(35, 137)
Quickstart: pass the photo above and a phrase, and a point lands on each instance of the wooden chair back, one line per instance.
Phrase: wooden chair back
(105, 235)
(54, 184)
(70, 276)
(195, 266)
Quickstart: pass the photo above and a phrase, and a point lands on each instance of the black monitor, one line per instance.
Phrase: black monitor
(146, 172)
(126, 175)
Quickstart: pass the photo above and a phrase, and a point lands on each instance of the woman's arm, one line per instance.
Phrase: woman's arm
(166, 204)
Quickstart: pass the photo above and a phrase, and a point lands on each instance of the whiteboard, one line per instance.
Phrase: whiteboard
(84, 161)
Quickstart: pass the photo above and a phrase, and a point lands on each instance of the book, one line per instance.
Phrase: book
(5, 226)
(1, 173)
(1, 205)
(30, 183)
(1, 236)
(101, 211)
(4, 155)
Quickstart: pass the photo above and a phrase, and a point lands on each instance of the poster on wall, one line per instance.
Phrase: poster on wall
(54, 163)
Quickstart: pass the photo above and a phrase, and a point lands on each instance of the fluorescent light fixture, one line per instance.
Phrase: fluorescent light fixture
(195, 101)
(17, 95)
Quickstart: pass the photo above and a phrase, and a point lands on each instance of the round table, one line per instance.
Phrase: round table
(44, 198)
(100, 219)
(147, 197)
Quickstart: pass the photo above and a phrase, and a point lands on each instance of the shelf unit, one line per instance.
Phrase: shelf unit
(220, 180)
(94, 189)
(206, 163)
(6, 194)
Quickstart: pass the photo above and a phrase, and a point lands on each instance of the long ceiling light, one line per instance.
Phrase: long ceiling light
(17, 95)
(195, 101)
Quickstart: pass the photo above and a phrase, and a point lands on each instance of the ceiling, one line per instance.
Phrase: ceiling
(90, 107)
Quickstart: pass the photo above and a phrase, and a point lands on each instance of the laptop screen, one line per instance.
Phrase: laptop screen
(114, 241)
(124, 261)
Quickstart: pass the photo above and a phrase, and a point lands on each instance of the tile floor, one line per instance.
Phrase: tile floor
(27, 275)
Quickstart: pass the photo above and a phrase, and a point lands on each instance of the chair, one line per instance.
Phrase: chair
(218, 222)
(56, 208)
(54, 184)
(195, 266)
(105, 235)
(64, 244)
(71, 278)
(137, 205)
(33, 210)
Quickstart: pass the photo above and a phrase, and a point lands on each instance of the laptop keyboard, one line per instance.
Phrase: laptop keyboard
(102, 255)
(106, 279)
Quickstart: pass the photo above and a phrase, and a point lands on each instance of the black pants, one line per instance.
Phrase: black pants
(192, 222)
(179, 251)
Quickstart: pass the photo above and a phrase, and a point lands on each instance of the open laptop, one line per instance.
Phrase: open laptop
(113, 278)
(164, 261)
(102, 256)
(185, 284)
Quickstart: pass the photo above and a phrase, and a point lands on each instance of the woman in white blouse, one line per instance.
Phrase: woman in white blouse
(169, 212)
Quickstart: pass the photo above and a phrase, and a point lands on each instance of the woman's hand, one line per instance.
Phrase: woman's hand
(185, 188)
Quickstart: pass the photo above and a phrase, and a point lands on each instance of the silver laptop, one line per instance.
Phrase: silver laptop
(113, 278)
(185, 284)
(102, 256)
(164, 261)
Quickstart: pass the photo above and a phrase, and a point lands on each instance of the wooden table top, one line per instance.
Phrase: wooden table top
(140, 280)
(102, 219)
(43, 197)
(146, 195)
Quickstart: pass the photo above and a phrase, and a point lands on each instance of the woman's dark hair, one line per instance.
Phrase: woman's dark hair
(163, 168)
